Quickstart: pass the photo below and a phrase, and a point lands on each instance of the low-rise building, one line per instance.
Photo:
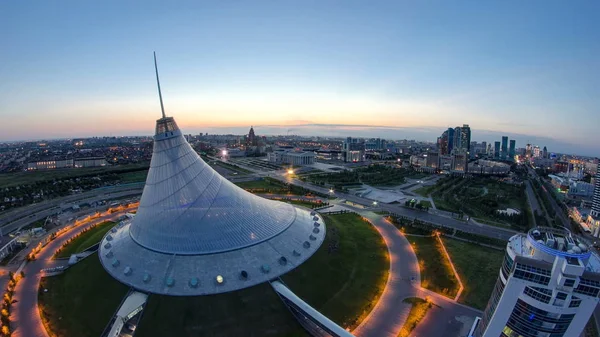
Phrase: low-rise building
(296, 158)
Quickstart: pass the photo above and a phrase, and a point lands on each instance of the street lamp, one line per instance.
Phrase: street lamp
(290, 171)
(331, 190)
(374, 203)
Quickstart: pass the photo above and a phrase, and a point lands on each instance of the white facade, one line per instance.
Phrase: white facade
(548, 286)
(291, 157)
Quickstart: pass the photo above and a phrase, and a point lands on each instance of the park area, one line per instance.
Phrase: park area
(485, 199)
(373, 175)
(343, 280)
(85, 240)
(436, 272)
(478, 268)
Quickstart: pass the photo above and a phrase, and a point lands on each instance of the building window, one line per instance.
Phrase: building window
(575, 302)
(538, 294)
(569, 282)
(561, 296)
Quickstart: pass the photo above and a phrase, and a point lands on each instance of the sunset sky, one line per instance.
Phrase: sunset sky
(402, 69)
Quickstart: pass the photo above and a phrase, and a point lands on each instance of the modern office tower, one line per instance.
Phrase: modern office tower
(457, 143)
(504, 150)
(465, 138)
(528, 151)
(536, 152)
(354, 150)
(484, 147)
(450, 140)
(548, 286)
(511, 150)
(497, 150)
(442, 143)
(596, 199)
(545, 153)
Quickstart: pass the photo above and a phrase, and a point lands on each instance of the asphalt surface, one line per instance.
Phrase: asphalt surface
(25, 317)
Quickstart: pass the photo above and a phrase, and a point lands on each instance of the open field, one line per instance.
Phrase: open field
(417, 313)
(436, 273)
(341, 280)
(86, 239)
(478, 268)
(24, 178)
(81, 301)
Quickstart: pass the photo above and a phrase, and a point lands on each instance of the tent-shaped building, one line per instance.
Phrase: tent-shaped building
(196, 233)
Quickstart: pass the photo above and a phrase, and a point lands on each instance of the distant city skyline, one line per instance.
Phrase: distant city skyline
(397, 70)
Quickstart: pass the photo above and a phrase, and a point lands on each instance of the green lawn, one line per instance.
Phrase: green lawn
(81, 301)
(436, 273)
(425, 190)
(425, 203)
(342, 283)
(345, 284)
(417, 313)
(86, 240)
(478, 268)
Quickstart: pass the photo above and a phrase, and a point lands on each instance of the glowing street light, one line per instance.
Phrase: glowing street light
(331, 190)
(374, 203)
(290, 171)
(224, 153)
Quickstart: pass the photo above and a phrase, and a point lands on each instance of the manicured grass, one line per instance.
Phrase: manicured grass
(344, 283)
(478, 268)
(417, 313)
(86, 239)
(425, 203)
(307, 204)
(425, 190)
(436, 273)
(81, 301)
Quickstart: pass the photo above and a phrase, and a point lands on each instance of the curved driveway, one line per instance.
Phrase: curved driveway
(25, 317)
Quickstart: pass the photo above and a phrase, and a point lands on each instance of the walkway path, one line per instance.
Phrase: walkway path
(404, 280)
(25, 318)
(390, 313)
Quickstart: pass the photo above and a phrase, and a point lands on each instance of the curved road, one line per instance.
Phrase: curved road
(25, 317)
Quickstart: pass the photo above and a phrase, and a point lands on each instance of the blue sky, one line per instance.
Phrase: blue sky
(530, 68)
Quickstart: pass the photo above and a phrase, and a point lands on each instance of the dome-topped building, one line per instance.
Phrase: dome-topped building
(197, 233)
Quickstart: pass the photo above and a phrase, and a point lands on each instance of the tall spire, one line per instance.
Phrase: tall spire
(162, 108)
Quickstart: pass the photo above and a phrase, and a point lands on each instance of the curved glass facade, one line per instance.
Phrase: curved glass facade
(187, 208)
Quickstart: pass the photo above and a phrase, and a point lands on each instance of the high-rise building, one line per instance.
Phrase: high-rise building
(547, 286)
(545, 153)
(451, 143)
(497, 150)
(536, 152)
(457, 143)
(528, 151)
(465, 137)
(596, 199)
(252, 141)
(504, 150)
(354, 150)
(511, 150)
